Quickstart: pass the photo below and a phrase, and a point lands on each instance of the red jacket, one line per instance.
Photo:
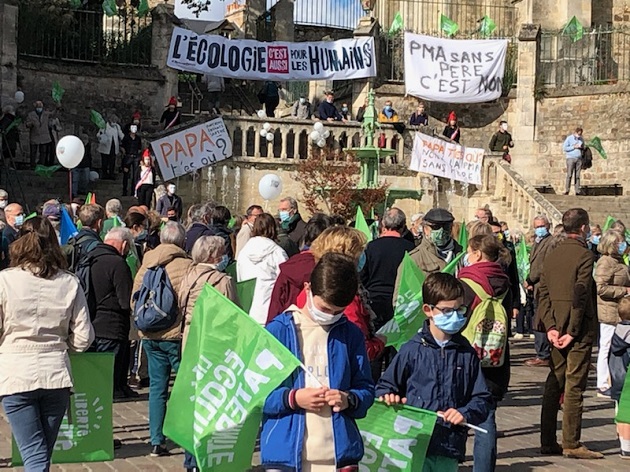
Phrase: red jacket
(290, 282)
(359, 316)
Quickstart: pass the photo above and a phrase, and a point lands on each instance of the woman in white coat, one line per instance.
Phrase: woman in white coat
(260, 259)
(109, 139)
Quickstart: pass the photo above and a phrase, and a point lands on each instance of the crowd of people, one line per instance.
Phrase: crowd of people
(324, 291)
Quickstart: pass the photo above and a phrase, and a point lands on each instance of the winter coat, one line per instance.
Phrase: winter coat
(501, 140)
(619, 358)
(295, 227)
(537, 258)
(176, 263)
(112, 282)
(612, 279)
(112, 132)
(567, 292)
(290, 282)
(282, 434)
(167, 201)
(438, 378)
(193, 283)
(39, 127)
(494, 281)
(260, 259)
(196, 231)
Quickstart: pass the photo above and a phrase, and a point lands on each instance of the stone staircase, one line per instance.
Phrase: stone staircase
(598, 207)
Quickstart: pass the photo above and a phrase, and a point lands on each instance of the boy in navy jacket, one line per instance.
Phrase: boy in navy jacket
(309, 420)
(439, 371)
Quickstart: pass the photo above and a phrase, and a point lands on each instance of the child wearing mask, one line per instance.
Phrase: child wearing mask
(309, 420)
(439, 371)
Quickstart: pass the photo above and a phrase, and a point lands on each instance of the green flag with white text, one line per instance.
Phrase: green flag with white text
(623, 412)
(448, 26)
(487, 26)
(229, 366)
(89, 437)
(522, 260)
(397, 24)
(361, 224)
(574, 29)
(395, 438)
(408, 315)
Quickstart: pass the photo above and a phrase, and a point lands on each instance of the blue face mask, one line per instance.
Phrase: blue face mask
(622, 248)
(388, 107)
(449, 324)
(361, 263)
(595, 240)
(465, 261)
(284, 216)
(541, 232)
(19, 221)
(223, 263)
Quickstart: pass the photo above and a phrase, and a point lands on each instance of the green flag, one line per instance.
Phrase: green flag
(74, 4)
(231, 223)
(522, 260)
(229, 366)
(451, 267)
(448, 26)
(623, 413)
(487, 26)
(57, 92)
(143, 8)
(361, 224)
(395, 438)
(97, 119)
(397, 24)
(574, 29)
(245, 291)
(89, 437)
(408, 315)
(463, 236)
(231, 270)
(13, 124)
(110, 8)
(47, 172)
(32, 215)
(609, 222)
(596, 143)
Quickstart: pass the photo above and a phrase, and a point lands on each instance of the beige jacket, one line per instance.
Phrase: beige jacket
(612, 279)
(38, 125)
(176, 262)
(195, 280)
(40, 320)
(244, 235)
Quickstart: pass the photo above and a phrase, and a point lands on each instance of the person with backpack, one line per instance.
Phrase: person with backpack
(487, 296)
(158, 318)
(78, 247)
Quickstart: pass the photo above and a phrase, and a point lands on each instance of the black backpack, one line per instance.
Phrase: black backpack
(587, 158)
(80, 261)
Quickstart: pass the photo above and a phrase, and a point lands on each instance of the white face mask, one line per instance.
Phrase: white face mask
(3, 203)
(302, 100)
(133, 129)
(319, 316)
(171, 189)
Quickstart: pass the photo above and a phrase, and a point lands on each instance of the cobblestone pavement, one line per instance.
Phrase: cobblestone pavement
(518, 419)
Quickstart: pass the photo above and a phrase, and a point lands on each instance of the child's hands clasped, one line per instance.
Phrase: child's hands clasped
(337, 399)
(392, 399)
(311, 399)
(452, 416)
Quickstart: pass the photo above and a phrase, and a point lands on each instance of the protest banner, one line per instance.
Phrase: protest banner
(623, 411)
(444, 159)
(395, 438)
(248, 59)
(229, 366)
(193, 148)
(454, 70)
(89, 437)
(408, 316)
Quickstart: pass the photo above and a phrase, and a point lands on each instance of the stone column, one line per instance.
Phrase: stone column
(255, 8)
(8, 52)
(163, 21)
(556, 14)
(283, 15)
(524, 126)
(368, 26)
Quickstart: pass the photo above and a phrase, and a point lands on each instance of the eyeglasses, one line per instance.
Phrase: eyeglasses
(461, 311)
(436, 226)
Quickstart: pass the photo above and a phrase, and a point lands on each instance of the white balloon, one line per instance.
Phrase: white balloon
(261, 113)
(321, 143)
(318, 126)
(269, 137)
(19, 96)
(266, 126)
(70, 151)
(94, 176)
(315, 136)
(270, 186)
(326, 134)
(263, 133)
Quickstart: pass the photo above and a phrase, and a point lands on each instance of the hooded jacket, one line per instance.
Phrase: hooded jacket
(619, 358)
(176, 263)
(260, 259)
(438, 378)
(290, 282)
(111, 284)
(282, 435)
(494, 281)
(196, 231)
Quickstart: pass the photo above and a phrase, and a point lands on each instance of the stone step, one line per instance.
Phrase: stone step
(598, 207)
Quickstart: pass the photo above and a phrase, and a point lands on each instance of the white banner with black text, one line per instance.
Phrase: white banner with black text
(254, 60)
(454, 70)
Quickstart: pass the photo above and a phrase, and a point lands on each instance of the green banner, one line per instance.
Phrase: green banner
(43, 171)
(90, 436)
(229, 367)
(57, 92)
(395, 438)
(574, 29)
(408, 316)
(97, 119)
(596, 143)
(361, 224)
(245, 291)
(397, 24)
(522, 260)
(448, 26)
(623, 412)
(487, 26)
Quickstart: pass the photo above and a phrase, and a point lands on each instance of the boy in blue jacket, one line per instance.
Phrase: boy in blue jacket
(309, 420)
(439, 371)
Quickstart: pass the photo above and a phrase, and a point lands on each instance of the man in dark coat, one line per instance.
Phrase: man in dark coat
(568, 311)
(291, 221)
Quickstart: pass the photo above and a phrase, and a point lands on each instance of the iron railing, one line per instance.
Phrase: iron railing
(343, 14)
(85, 36)
(601, 56)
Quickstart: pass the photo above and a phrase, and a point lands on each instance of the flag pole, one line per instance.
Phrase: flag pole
(471, 426)
(70, 185)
